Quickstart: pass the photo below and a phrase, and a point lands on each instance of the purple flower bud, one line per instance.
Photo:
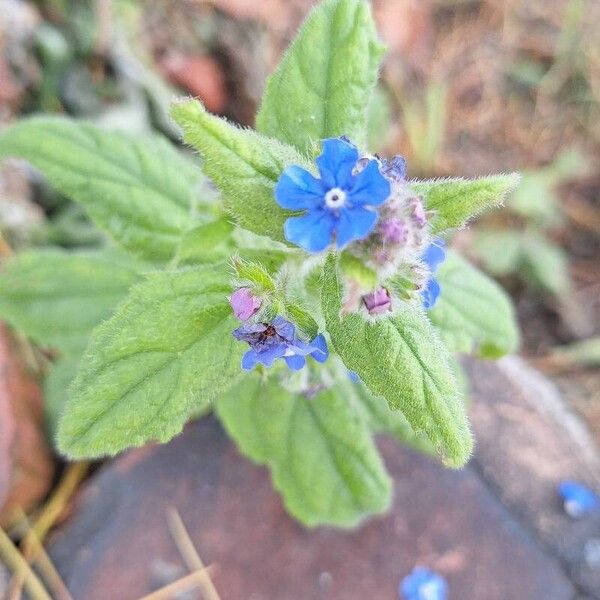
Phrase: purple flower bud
(244, 303)
(378, 302)
(395, 169)
(393, 231)
(418, 212)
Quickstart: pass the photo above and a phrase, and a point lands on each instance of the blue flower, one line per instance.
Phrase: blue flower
(423, 584)
(278, 339)
(434, 256)
(578, 499)
(353, 377)
(339, 205)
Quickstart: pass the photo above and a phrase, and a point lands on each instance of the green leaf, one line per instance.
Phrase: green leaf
(402, 359)
(56, 390)
(208, 242)
(303, 319)
(140, 191)
(457, 200)
(546, 264)
(379, 117)
(324, 82)
(320, 452)
(473, 313)
(382, 419)
(56, 297)
(244, 165)
(499, 250)
(168, 350)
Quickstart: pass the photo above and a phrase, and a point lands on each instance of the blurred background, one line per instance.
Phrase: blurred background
(470, 87)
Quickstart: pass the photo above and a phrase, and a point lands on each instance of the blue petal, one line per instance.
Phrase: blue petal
(284, 328)
(578, 499)
(249, 360)
(295, 362)
(321, 352)
(312, 231)
(431, 293)
(370, 187)
(336, 163)
(271, 353)
(297, 189)
(353, 377)
(354, 224)
(435, 255)
(423, 583)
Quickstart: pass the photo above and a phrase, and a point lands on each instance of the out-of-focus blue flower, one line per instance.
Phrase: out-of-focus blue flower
(423, 584)
(578, 499)
(278, 339)
(339, 206)
(434, 256)
(353, 377)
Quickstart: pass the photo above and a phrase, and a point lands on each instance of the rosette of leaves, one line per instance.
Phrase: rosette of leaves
(144, 331)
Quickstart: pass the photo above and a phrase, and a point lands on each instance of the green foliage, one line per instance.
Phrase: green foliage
(206, 243)
(56, 390)
(167, 351)
(320, 452)
(402, 359)
(425, 122)
(545, 264)
(456, 200)
(324, 83)
(382, 419)
(528, 253)
(379, 120)
(140, 191)
(56, 297)
(498, 249)
(244, 165)
(473, 314)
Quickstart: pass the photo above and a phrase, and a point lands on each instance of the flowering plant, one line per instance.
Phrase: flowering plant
(310, 306)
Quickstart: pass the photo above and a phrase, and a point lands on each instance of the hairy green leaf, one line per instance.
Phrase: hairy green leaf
(456, 200)
(168, 350)
(402, 359)
(324, 82)
(382, 419)
(208, 242)
(320, 452)
(140, 191)
(57, 297)
(244, 165)
(473, 313)
(56, 390)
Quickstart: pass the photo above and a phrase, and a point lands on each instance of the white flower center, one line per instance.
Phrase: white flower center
(335, 198)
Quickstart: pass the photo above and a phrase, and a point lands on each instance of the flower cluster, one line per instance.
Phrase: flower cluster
(339, 206)
(401, 234)
(273, 340)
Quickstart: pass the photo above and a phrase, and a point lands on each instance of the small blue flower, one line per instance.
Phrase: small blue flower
(353, 377)
(423, 584)
(278, 339)
(339, 205)
(434, 256)
(578, 499)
